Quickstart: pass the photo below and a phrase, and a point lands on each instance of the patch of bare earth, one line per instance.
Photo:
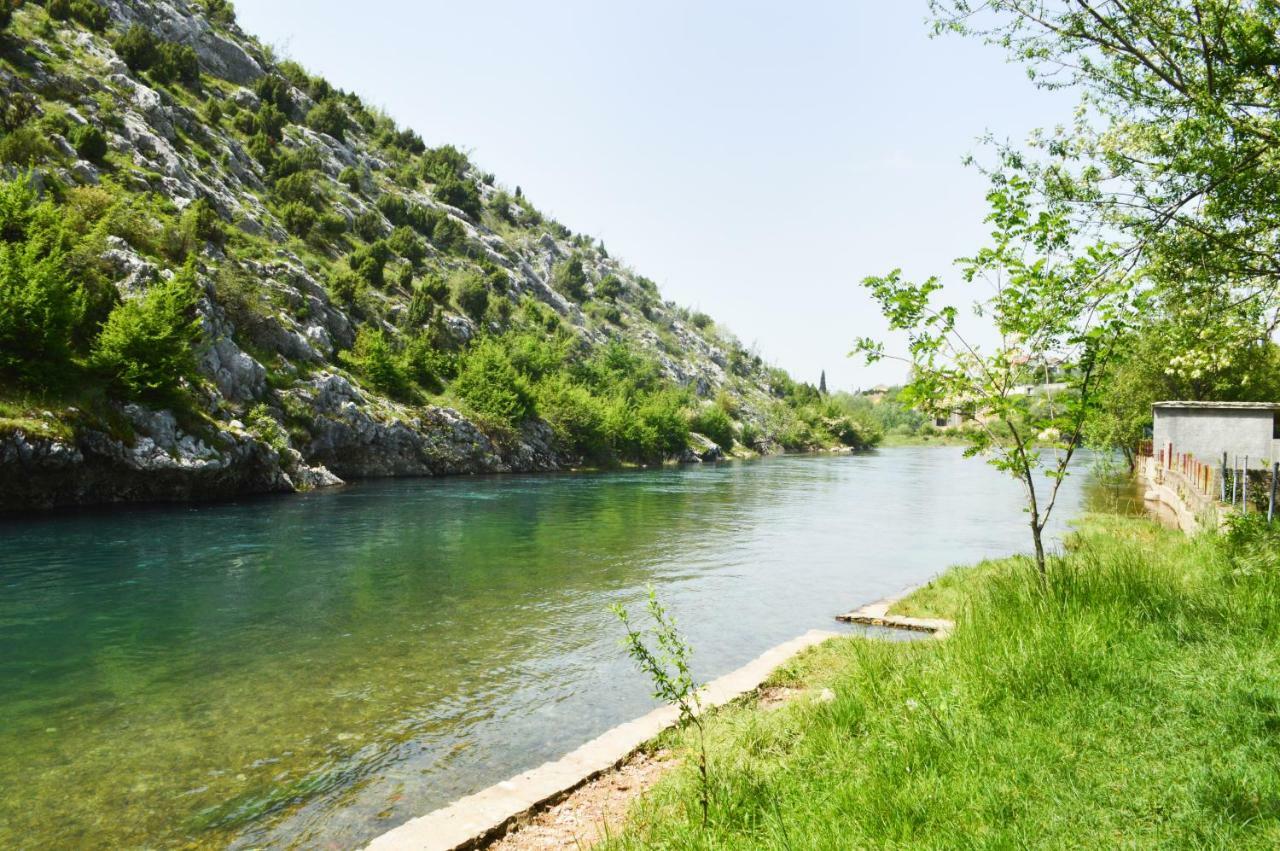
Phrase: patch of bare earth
(592, 811)
(598, 808)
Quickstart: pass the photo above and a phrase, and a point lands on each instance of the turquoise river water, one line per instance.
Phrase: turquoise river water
(309, 671)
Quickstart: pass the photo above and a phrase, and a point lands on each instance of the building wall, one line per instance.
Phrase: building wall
(1207, 433)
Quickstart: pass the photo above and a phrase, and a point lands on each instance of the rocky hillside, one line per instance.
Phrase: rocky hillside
(222, 275)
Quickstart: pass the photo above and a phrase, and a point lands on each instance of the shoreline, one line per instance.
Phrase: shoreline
(26, 514)
(485, 816)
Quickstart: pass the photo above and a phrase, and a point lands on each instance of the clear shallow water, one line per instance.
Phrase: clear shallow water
(313, 670)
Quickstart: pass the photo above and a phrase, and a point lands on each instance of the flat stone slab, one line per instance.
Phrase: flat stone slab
(485, 815)
(877, 614)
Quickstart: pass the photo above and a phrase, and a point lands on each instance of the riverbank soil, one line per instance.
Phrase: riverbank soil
(1131, 699)
(592, 812)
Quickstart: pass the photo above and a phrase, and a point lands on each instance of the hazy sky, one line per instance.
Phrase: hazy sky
(756, 160)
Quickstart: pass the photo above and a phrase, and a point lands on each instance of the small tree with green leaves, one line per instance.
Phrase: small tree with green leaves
(41, 302)
(147, 346)
(666, 663)
(1051, 301)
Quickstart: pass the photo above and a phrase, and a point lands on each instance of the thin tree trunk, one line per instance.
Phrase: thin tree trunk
(1036, 526)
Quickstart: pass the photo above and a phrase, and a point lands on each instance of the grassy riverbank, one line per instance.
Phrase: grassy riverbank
(1135, 700)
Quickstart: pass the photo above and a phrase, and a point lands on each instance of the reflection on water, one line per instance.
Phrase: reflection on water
(316, 669)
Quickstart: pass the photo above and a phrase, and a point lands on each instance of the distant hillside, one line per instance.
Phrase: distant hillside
(220, 275)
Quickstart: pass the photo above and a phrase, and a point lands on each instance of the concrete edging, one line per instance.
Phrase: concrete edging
(877, 614)
(486, 815)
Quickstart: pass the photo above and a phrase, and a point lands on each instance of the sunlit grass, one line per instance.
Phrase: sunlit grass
(1134, 701)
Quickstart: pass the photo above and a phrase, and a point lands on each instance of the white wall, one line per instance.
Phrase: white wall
(1208, 432)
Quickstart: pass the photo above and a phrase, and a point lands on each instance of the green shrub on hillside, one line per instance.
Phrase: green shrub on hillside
(605, 312)
(650, 428)
(331, 225)
(350, 178)
(198, 224)
(273, 90)
(90, 143)
(203, 222)
(369, 262)
(137, 48)
(304, 159)
(266, 427)
(576, 416)
(262, 148)
(491, 386)
(220, 11)
(40, 305)
(25, 146)
(618, 367)
(609, 288)
(427, 365)
(712, 422)
(176, 62)
(444, 163)
(448, 235)
(146, 347)
(570, 279)
(368, 226)
(500, 206)
(298, 219)
(84, 12)
(405, 242)
(329, 117)
(470, 293)
(460, 193)
(6, 13)
(345, 286)
(270, 122)
(16, 109)
(375, 360)
(299, 187)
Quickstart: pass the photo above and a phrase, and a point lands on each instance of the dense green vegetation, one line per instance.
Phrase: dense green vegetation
(60, 323)
(1127, 700)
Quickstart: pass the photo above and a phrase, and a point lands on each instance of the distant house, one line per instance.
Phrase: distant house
(1208, 429)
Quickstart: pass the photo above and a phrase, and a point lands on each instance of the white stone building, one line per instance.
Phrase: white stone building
(1208, 429)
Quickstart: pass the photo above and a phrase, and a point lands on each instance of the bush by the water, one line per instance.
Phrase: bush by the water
(146, 347)
(492, 387)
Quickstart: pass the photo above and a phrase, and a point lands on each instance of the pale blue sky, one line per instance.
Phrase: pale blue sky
(756, 160)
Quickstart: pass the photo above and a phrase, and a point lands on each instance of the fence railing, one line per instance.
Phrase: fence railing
(1231, 482)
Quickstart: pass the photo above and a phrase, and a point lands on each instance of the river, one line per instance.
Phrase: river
(313, 670)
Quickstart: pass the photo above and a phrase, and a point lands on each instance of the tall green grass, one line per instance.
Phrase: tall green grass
(1132, 701)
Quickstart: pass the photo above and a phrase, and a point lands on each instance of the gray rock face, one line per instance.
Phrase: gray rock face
(239, 377)
(177, 21)
(356, 440)
(161, 464)
(702, 450)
